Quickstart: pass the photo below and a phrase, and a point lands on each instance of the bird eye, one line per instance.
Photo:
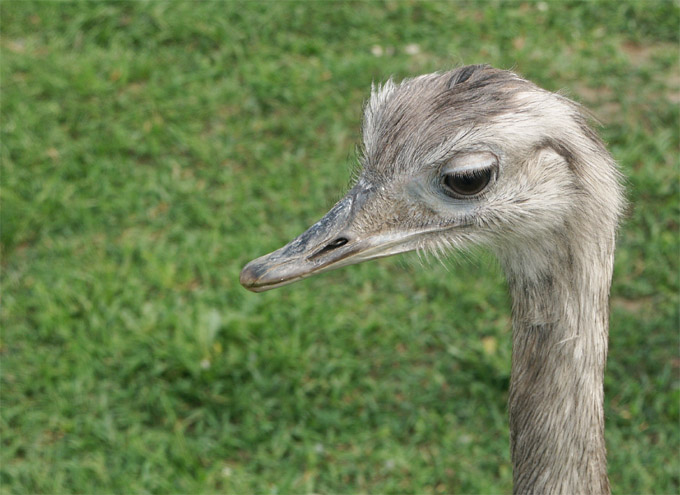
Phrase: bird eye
(467, 174)
(468, 183)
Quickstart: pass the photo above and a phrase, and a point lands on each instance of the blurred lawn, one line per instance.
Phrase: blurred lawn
(150, 149)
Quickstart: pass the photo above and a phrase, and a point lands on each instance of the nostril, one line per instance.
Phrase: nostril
(340, 241)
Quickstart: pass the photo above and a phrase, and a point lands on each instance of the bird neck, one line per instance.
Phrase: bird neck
(560, 294)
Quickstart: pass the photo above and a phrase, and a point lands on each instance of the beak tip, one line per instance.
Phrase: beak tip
(256, 275)
(249, 277)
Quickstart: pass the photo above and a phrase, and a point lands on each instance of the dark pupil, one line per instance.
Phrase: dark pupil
(468, 183)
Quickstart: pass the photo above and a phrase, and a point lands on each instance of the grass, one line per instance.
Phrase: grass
(150, 149)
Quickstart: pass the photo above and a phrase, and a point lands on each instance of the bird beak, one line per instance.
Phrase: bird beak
(328, 244)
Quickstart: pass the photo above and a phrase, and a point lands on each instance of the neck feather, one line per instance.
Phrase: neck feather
(560, 292)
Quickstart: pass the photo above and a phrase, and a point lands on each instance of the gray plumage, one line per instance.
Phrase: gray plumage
(549, 205)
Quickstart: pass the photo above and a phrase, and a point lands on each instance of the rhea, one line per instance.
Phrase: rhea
(480, 156)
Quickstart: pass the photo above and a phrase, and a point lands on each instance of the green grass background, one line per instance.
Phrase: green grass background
(149, 150)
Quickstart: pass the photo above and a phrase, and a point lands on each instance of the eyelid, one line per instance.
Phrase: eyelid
(469, 161)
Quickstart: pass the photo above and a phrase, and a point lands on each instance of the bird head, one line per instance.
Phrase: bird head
(472, 156)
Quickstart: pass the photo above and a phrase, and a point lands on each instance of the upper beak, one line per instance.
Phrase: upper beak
(330, 243)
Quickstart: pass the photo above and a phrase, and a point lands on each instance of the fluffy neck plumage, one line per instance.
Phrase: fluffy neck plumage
(560, 292)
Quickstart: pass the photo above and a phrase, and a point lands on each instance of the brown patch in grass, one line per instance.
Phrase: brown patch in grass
(642, 55)
(606, 105)
(633, 305)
